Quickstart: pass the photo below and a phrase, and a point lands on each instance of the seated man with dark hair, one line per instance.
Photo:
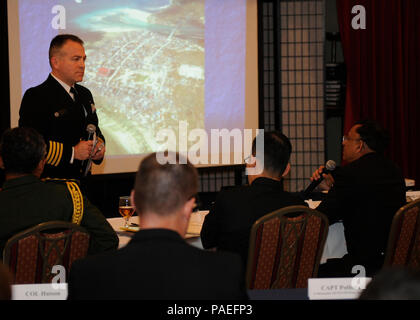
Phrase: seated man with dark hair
(157, 263)
(365, 194)
(228, 224)
(27, 201)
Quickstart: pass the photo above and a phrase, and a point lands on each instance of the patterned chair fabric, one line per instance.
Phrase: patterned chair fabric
(403, 247)
(285, 248)
(31, 254)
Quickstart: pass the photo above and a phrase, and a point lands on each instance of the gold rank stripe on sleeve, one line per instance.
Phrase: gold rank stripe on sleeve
(55, 153)
(51, 152)
(77, 198)
(59, 154)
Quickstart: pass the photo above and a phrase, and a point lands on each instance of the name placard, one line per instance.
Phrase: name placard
(336, 288)
(41, 291)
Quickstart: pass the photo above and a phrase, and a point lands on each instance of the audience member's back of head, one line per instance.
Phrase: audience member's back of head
(277, 150)
(376, 137)
(164, 188)
(393, 284)
(21, 150)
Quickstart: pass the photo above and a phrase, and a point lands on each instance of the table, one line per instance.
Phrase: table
(412, 195)
(335, 245)
(192, 236)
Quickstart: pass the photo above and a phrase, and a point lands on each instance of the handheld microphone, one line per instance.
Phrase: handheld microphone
(329, 167)
(91, 129)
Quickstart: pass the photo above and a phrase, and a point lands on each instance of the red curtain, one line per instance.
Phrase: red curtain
(383, 73)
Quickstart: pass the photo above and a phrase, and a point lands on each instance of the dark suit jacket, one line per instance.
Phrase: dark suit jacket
(228, 224)
(28, 201)
(158, 264)
(366, 195)
(50, 110)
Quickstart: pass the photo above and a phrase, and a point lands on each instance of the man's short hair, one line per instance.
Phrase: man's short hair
(277, 150)
(164, 188)
(58, 42)
(373, 135)
(21, 150)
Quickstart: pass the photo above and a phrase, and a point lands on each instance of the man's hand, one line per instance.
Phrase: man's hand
(328, 181)
(83, 149)
(99, 151)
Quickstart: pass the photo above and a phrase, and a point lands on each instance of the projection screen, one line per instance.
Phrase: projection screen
(153, 66)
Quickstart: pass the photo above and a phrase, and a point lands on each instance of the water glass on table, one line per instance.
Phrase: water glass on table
(126, 209)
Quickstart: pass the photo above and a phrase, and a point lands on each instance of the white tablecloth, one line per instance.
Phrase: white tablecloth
(123, 236)
(192, 236)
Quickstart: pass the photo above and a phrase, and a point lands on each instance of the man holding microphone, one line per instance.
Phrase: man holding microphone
(61, 110)
(364, 194)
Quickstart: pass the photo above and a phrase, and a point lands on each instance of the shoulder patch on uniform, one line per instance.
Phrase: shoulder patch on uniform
(77, 198)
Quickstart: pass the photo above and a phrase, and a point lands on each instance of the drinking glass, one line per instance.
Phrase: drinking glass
(126, 209)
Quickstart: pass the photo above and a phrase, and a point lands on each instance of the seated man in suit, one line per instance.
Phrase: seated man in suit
(27, 201)
(157, 263)
(365, 194)
(228, 224)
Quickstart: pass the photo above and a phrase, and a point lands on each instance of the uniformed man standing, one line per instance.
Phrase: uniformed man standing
(61, 111)
(26, 200)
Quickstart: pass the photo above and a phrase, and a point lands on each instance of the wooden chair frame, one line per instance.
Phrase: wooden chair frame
(412, 255)
(50, 228)
(283, 215)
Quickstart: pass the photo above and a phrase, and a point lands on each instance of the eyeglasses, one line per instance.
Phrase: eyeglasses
(346, 138)
(249, 159)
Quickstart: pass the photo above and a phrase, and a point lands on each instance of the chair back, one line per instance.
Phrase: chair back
(32, 253)
(403, 248)
(285, 248)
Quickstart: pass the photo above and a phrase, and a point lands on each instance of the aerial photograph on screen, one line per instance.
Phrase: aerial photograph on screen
(145, 67)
